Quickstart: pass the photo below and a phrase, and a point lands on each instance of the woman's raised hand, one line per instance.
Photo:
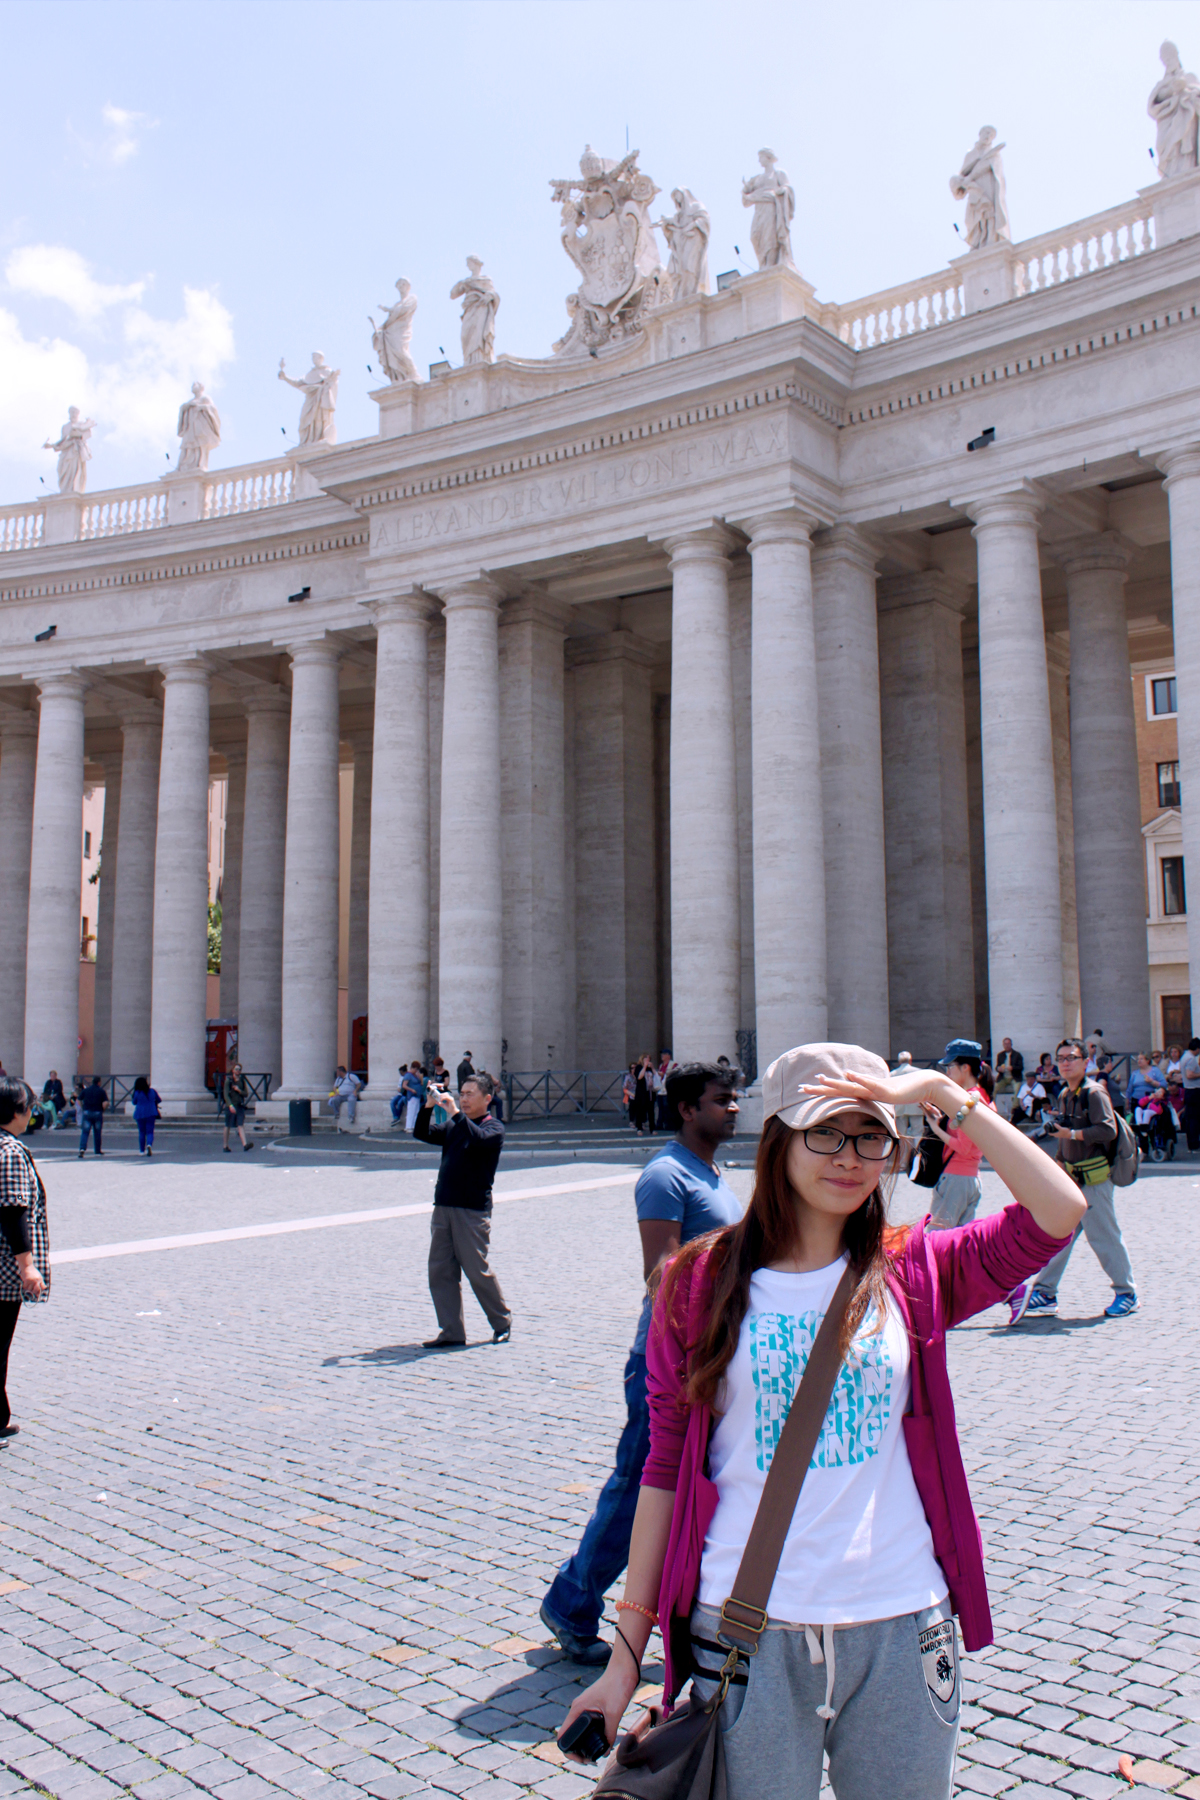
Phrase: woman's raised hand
(914, 1086)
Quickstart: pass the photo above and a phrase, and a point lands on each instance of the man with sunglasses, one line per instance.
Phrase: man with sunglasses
(1086, 1129)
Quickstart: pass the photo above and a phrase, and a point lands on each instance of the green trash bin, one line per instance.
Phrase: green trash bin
(299, 1118)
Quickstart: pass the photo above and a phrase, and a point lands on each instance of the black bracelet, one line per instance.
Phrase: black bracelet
(636, 1658)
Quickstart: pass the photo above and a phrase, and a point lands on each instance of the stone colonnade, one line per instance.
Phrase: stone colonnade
(519, 790)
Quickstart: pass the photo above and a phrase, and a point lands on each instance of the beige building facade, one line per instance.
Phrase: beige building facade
(710, 691)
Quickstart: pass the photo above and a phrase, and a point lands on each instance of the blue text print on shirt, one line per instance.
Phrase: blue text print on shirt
(862, 1397)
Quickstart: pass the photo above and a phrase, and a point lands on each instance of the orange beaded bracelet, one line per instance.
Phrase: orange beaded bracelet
(633, 1606)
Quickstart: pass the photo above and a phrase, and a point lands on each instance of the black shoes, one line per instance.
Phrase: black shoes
(441, 1343)
(502, 1335)
(592, 1652)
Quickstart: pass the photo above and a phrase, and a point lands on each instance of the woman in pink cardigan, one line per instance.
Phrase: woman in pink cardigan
(859, 1658)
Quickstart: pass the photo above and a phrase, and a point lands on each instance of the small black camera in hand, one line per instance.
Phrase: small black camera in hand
(586, 1737)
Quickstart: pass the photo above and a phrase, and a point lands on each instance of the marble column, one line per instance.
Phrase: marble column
(532, 773)
(18, 762)
(1058, 673)
(1020, 818)
(52, 995)
(471, 953)
(231, 878)
(264, 836)
(847, 643)
(310, 877)
(358, 974)
(179, 968)
(399, 868)
(788, 835)
(1182, 471)
(926, 825)
(705, 924)
(133, 924)
(614, 893)
(110, 762)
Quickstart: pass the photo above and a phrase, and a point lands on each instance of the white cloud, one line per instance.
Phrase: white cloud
(134, 393)
(52, 272)
(123, 132)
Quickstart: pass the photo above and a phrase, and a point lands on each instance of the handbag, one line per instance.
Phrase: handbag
(684, 1759)
(930, 1159)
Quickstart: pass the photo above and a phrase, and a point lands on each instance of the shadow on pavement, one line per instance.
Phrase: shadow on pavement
(1049, 1327)
(388, 1354)
(530, 1708)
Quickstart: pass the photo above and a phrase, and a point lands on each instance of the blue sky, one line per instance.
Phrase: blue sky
(196, 188)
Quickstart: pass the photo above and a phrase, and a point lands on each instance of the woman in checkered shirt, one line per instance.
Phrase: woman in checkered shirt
(24, 1237)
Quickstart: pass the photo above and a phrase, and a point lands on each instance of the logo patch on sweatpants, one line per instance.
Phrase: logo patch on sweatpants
(937, 1658)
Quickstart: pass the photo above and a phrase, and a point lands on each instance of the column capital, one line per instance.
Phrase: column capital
(410, 606)
(267, 699)
(190, 671)
(1024, 506)
(139, 712)
(317, 652)
(611, 646)
(1093, 550)
(1179, 465)
(711, 544)
(849, 542)
(928, 587)
(787, 526)
(68, 684)
(471, 593)
(537, 609)
(17, 722)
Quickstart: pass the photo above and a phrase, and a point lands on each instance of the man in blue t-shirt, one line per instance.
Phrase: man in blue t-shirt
(679, 1196)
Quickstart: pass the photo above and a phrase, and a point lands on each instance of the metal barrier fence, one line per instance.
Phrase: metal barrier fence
(119, 1088)
(550, 1093)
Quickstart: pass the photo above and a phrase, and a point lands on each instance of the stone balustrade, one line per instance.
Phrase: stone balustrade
(116, 512)
(1038, 263)
(21, 527)
(120, 510)
(1081, 249)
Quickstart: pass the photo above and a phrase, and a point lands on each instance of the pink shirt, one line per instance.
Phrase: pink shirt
(962, 1156)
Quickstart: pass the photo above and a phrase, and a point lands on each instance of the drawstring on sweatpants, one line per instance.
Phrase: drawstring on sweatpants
(821, 1650)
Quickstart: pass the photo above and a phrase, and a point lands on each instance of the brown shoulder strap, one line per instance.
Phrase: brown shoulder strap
(744, 1614)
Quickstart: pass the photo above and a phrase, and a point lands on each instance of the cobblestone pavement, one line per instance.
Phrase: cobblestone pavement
(254, 1541)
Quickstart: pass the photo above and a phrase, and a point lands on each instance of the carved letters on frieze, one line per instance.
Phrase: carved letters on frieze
(602, 483)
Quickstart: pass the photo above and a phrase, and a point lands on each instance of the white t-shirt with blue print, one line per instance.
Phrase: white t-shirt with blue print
(859, 1546)
(676, 1184)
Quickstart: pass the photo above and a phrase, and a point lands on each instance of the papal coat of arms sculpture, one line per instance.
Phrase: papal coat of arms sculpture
(607, 233)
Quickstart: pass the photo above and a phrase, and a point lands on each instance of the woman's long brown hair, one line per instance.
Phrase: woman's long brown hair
(766, 1234)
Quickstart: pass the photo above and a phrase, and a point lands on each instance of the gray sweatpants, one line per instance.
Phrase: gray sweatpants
(955, 1201)
(895, 1696)
(458, 1245)
(1099, 1226)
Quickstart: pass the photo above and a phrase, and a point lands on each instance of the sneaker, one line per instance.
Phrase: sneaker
(592, 1652)
(1041, 1304)
(502, 1335)
(1018, 1301)
(1121, 1307)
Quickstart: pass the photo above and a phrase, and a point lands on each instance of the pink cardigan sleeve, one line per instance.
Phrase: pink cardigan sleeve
(666, 1363)
(980, 1263)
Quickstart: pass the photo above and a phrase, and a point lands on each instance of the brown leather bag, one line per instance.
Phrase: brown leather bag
(684, 1759)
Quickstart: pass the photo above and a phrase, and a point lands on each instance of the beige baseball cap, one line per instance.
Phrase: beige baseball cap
(784, 1083)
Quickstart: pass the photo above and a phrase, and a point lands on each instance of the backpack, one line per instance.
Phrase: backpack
(1124, 1158)
(928, 1161)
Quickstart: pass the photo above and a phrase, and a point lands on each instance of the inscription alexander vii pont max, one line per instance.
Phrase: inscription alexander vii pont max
(517, 500)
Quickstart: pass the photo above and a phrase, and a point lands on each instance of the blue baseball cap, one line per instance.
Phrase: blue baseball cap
(961, 1050)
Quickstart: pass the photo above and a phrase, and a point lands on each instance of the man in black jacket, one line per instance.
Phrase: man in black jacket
(462, 1210)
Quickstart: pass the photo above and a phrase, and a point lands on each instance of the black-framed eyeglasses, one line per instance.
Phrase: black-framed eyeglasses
(872, 1146)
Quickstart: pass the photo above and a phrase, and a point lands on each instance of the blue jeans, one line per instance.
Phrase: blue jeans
(145, 1133)
(92, 1122)
(399, 1103)
(576, 1596)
